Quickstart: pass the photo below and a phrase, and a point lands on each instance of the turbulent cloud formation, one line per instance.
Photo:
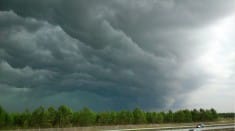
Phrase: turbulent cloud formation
(115, 54)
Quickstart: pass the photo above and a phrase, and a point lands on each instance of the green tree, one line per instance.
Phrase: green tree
(51, 116)
(160, 117)
(86, 117)
(75, 119)
(104, 118)
(227, 115)
(139, 116)
(39, 118)
(26, 119)
(64, 116)
(154, 116)
(202, 115)
(19, 119)
(214, 114)
(179, 116)
(2, 117)
(149, 117)
(188, 116)
(113, 117)
(195, 115)
(9, 120)
(169, 116)
(125, 117)
(16, 120)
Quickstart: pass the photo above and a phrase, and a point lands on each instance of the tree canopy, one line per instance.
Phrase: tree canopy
(63, 116)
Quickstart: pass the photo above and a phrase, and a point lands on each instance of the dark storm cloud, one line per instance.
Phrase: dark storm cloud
(122, 53)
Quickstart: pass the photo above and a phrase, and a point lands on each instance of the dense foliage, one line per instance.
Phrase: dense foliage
(227, 115)
(65, 117)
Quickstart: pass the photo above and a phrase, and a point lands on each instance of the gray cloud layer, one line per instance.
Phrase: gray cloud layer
(106, 54)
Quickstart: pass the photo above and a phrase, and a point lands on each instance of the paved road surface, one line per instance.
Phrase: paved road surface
(205, 129)
(182, 128)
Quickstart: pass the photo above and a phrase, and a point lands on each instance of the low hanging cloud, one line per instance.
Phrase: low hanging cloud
(106, 54)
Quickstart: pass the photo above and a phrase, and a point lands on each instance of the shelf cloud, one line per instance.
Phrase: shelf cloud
(112, 55)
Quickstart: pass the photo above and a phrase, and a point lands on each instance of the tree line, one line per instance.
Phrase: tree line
(63, 116)
(227, 115)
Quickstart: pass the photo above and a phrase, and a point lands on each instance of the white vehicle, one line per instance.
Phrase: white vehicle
(201, 125)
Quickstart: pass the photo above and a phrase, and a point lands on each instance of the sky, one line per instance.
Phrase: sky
(117, 54)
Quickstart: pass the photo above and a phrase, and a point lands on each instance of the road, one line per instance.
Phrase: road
(206, 128)
(182, 128)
